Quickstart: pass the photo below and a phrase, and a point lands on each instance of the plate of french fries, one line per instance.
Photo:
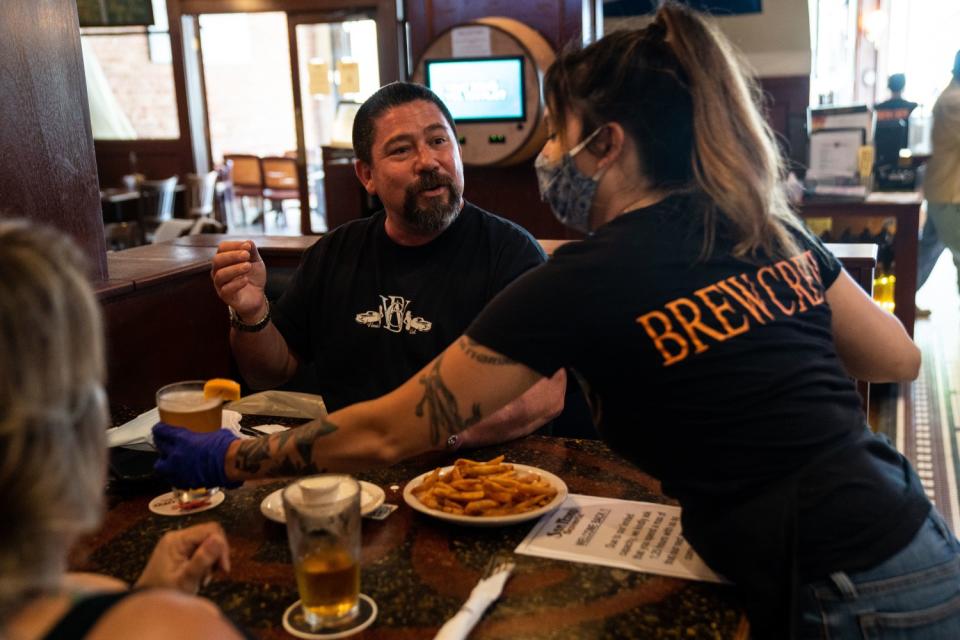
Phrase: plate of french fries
(485, 494)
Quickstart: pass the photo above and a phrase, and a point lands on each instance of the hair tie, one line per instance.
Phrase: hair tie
(656, 32)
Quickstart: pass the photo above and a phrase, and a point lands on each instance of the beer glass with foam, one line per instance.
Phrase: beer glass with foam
(323, 528)
(183, 404)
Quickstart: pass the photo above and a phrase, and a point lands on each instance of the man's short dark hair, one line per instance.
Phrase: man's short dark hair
(386, 98)
(896, 82)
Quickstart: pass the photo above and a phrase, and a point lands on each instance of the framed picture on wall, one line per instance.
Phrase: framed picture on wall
(115, 13)
(620, 8)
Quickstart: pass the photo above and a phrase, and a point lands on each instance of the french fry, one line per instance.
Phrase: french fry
(466, 496)
(484, 488)
(527, 505)
(429, 481)
(486, 470)
(479, 507)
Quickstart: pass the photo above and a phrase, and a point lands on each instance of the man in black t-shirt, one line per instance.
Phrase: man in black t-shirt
(377, 299)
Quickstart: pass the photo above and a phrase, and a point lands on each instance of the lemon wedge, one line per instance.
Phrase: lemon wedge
(223, 388)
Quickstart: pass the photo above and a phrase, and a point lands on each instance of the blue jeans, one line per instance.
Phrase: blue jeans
(913, 594)
(946, 219)
(929, 248)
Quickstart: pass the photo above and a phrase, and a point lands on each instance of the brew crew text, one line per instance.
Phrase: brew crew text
(733, 302)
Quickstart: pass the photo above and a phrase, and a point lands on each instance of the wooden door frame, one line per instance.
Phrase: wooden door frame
(391, 52)
(293, 21)
(387, 13)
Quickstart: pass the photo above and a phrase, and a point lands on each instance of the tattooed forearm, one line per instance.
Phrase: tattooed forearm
(470, 347)
(441, 403)
(289, 453)
(252, 453)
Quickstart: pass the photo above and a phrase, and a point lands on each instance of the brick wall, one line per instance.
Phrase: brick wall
(144, 89)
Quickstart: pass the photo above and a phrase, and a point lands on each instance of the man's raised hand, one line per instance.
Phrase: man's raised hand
(239, 276)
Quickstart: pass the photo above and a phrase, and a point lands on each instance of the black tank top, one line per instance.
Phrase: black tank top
(85, 614)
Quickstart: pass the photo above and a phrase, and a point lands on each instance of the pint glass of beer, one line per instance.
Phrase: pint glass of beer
(182, 404)
(323, 528)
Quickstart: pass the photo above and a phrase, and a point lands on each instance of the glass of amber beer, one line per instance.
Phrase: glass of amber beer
(323, 528)
(182, 404)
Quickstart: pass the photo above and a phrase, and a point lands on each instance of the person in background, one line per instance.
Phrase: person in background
(891, 134)
(719, 340)
(941, 186)
(376, 299)
(53, 417)
(896, 84)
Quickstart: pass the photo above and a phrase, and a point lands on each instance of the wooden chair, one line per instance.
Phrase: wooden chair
(224, 201)
(247, 178)
(156, 203)
(280, 182)
(200, 192)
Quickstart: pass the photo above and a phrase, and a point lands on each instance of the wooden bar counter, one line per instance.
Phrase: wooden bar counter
(904, 209)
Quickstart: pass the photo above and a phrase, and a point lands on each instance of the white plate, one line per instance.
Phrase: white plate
(489, 521)
(371, 497)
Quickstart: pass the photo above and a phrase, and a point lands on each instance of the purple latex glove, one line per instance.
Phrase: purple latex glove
(189, 459)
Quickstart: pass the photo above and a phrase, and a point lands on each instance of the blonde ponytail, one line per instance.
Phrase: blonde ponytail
(736, 161)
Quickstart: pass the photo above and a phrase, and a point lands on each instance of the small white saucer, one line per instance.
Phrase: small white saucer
(167, 505)
(371, 497)
(296, 625)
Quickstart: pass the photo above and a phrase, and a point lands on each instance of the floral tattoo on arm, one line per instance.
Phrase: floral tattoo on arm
(441, 405)
(289, 453)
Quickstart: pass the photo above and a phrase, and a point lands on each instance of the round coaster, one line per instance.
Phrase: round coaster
(167, 505)
(296, 625)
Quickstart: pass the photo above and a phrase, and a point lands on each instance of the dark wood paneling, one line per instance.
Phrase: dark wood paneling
(47, 166)
(787, 99)
(512, 192)
(170, 328)
(163, 319)
(906, 213)
(559, 21)
(156, 159)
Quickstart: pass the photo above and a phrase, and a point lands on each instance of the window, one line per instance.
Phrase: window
(857, 46)
(129, 73)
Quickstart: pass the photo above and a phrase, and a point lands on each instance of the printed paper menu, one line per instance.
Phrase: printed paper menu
(640, 536)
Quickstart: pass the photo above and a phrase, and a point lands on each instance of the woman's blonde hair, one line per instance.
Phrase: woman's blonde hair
(679, 90)
(52, 409)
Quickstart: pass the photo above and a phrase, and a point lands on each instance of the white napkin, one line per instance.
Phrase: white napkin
(137, 433)
(487, 590)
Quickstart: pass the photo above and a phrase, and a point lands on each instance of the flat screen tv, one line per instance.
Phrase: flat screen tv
(479, 89)
(115, 13)
(620, 8)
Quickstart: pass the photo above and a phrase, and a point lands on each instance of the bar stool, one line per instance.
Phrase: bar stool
(280, 182)
(156, 203)
(200, 192)
(247, 178)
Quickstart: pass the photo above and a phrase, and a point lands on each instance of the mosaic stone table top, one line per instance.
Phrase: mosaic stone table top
(420, 570)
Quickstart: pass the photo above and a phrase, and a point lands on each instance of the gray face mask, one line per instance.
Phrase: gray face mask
(568, 192)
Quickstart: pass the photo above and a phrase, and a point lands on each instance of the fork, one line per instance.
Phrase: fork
(483, 595)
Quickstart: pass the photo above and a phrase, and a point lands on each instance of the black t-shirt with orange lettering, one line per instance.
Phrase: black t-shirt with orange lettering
(721, 378)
